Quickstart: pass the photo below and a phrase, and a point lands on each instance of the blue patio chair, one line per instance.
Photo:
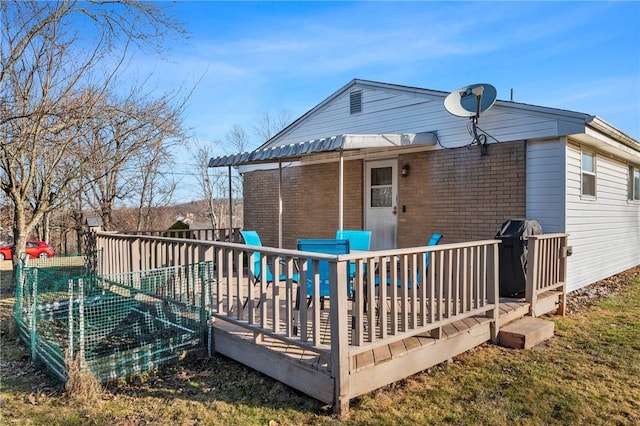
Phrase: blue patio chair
(252, 238)
(321, 246)
(434, 240)
(358, 240)
(318, 246)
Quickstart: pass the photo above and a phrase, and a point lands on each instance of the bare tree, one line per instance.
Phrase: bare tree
(154, 187)
(238, 140)
(132, 140)
(270, 124)
(208, 180)
(56, 62)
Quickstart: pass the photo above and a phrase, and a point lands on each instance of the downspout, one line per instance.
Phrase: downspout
(279, 203)
(230, 208)
(341, 192)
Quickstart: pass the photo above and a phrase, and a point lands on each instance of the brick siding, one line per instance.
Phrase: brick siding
(309, 200)
(457, 192)
(461, 194)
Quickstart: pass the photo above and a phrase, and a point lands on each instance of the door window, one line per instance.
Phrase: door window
(382, 187)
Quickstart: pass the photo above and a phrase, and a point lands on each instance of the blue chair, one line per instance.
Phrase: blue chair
(321, 246)
(434, 240)
(358, 240)
(252, 238)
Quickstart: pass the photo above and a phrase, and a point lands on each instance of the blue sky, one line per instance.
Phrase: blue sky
(252, 57)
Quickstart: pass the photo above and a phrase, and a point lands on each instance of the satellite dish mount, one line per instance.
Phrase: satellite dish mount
(471, 101)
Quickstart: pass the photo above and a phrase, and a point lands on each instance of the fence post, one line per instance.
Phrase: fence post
(81, 317)
(34, 310)
(204, 276)
(70, 293)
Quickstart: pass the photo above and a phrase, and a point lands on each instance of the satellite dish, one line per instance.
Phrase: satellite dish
(470, 101)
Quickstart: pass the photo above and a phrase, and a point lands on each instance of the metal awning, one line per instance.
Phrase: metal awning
(295, 151)
(345, 142)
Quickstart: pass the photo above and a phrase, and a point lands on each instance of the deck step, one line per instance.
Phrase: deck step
(547, 302)
(512, 310)
(526, 332)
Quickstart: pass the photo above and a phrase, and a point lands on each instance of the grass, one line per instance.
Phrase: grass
(587, 374)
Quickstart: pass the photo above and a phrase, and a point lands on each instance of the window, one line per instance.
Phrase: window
(634, 183)
(588, 174)
(355, 102)
(381, 187)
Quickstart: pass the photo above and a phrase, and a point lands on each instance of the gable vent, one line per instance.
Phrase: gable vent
(355, 102)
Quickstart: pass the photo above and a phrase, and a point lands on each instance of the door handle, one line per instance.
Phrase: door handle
(395, 210)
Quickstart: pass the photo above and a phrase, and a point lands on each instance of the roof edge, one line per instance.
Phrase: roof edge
(601, 125)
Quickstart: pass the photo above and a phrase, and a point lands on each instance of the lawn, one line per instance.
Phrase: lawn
(587, 374)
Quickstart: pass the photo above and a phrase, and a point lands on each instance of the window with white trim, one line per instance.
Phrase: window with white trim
(588, 183)
(634, 183)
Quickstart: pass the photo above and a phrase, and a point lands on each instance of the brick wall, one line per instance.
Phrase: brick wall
(310, 202)
(456, 192)
(461, 194)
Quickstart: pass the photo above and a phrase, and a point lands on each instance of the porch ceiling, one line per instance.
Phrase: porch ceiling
(346, 142)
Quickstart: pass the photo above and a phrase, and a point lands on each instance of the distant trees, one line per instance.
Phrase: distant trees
(66, 138)
(73, 135)
(271, 123)
(130, 141)
(214, 183)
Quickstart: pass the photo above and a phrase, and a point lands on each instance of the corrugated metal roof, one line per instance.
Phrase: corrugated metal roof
(334, 143)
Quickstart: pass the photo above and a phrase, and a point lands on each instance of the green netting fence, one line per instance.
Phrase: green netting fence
(120, 324)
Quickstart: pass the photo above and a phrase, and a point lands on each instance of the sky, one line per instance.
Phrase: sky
(244, 59)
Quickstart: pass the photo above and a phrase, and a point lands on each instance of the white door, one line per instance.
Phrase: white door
(381, 215)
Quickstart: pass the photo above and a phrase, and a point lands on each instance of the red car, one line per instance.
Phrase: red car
(33, 249)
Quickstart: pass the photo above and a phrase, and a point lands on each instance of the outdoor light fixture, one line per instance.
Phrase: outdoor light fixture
(405, 170)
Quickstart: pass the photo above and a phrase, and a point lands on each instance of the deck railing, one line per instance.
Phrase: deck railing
(209, 234)
(460, 281)
(546, 268)
(394, 295)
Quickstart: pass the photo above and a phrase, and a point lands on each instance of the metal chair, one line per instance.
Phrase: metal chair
(252, 238)
(358, 240)
(318, 246)
(434, 240)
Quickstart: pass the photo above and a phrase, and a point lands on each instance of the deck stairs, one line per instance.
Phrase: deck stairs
(526, 332)
(520, 328)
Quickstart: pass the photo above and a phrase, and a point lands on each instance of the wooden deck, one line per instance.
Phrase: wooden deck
(348, 347)
(308, 369)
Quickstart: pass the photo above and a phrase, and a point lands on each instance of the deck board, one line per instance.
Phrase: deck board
(377, 355)
(380, 353)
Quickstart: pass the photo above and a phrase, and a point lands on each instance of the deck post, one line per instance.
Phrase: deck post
(134, 256)
(339, 337)
(530, 291)
(493, 290)
(565, 252)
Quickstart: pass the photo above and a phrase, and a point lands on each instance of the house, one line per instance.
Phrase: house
(391, 159)
(94, 223)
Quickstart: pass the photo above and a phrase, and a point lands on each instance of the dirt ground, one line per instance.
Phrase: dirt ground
(586, 296)
(7, 287)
